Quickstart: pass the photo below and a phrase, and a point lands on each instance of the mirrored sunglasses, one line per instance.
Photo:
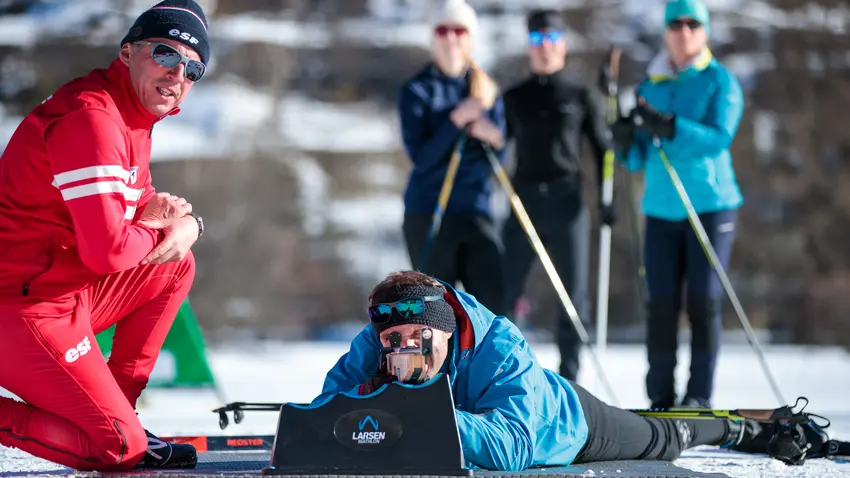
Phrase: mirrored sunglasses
(537, 38)
(678, 24)
(168, 56)
(444, 30)
(380, 313)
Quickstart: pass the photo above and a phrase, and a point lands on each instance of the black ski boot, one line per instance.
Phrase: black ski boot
(164, 455)
(663, 402)
(790, 443)
(695, 402)
(821, 445)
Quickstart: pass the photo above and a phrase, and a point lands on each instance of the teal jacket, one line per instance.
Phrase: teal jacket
(512, 413)
(708, 103)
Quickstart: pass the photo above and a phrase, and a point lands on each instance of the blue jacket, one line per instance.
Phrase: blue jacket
(424, 103)
(708, 103)
(512, 413)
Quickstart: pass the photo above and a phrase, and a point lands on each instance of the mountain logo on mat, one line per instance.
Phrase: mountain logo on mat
(368, 421)
(367, 429)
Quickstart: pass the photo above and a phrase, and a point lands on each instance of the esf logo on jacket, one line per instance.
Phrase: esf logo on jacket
(82, 348)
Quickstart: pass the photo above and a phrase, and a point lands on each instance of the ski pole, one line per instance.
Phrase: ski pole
(525, 221)
(238, 409)
(637, 246)
(711, 254)
(442, 201)
(604, 272)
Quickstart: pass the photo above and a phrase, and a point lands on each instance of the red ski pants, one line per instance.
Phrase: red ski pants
(79, 410)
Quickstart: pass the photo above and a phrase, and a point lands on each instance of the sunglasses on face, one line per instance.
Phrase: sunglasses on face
(677, 25)
(443, 30)
(168, 56)
(380, 313)
(537, 38)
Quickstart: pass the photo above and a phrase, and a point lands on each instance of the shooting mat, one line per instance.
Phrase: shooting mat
(249, 464)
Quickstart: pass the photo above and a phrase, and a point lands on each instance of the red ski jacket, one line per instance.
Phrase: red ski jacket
(74, 179)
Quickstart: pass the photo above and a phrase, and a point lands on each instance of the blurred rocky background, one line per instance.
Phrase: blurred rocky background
(290, 149)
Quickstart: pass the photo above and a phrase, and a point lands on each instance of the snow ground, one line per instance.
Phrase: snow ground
(272, 372)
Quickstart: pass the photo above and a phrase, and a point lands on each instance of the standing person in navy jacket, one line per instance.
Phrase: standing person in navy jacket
(694, 106)
(437, 111)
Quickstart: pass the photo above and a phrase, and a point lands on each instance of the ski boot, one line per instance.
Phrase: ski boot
(663, 402)
(164, 455)
(695, 402)
(791, 441)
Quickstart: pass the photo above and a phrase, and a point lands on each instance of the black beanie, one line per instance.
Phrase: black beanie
(437, 315)
(179, 20)
(542, 19)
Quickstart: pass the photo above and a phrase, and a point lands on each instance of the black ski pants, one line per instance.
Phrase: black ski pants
(563, 224)
(617, 434)
(466, 249)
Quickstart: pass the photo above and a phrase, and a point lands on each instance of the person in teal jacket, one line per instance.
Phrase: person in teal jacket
(512, 413)
(690, 107)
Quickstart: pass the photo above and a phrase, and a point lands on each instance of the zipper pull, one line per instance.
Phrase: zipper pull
(26, 290)
(150, 133)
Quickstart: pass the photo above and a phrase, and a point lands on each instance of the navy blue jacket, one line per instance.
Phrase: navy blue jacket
(425, 102)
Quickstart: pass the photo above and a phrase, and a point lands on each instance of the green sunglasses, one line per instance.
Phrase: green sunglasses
(380, 313)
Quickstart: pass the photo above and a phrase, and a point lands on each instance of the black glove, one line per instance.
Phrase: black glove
(607, 214)
(647, 119)
(375, 382)
(604, 79)
(621, 134)
(379, 378)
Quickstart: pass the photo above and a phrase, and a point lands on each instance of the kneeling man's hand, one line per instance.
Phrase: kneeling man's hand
(180, 234)
(163, 208)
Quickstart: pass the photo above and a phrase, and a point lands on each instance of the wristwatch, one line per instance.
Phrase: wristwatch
(200, 221)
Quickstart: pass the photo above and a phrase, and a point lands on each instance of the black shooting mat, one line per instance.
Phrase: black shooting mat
(250, 464)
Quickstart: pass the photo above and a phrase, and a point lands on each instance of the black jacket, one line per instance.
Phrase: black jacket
(547, 116)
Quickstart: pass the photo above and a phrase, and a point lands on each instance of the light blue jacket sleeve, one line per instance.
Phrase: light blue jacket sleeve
(497, 434)
(715, 134)
(355, 367)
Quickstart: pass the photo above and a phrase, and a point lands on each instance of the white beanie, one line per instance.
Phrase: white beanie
(456, 12)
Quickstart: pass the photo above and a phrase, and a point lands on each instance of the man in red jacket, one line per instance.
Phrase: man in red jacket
(86, 242)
